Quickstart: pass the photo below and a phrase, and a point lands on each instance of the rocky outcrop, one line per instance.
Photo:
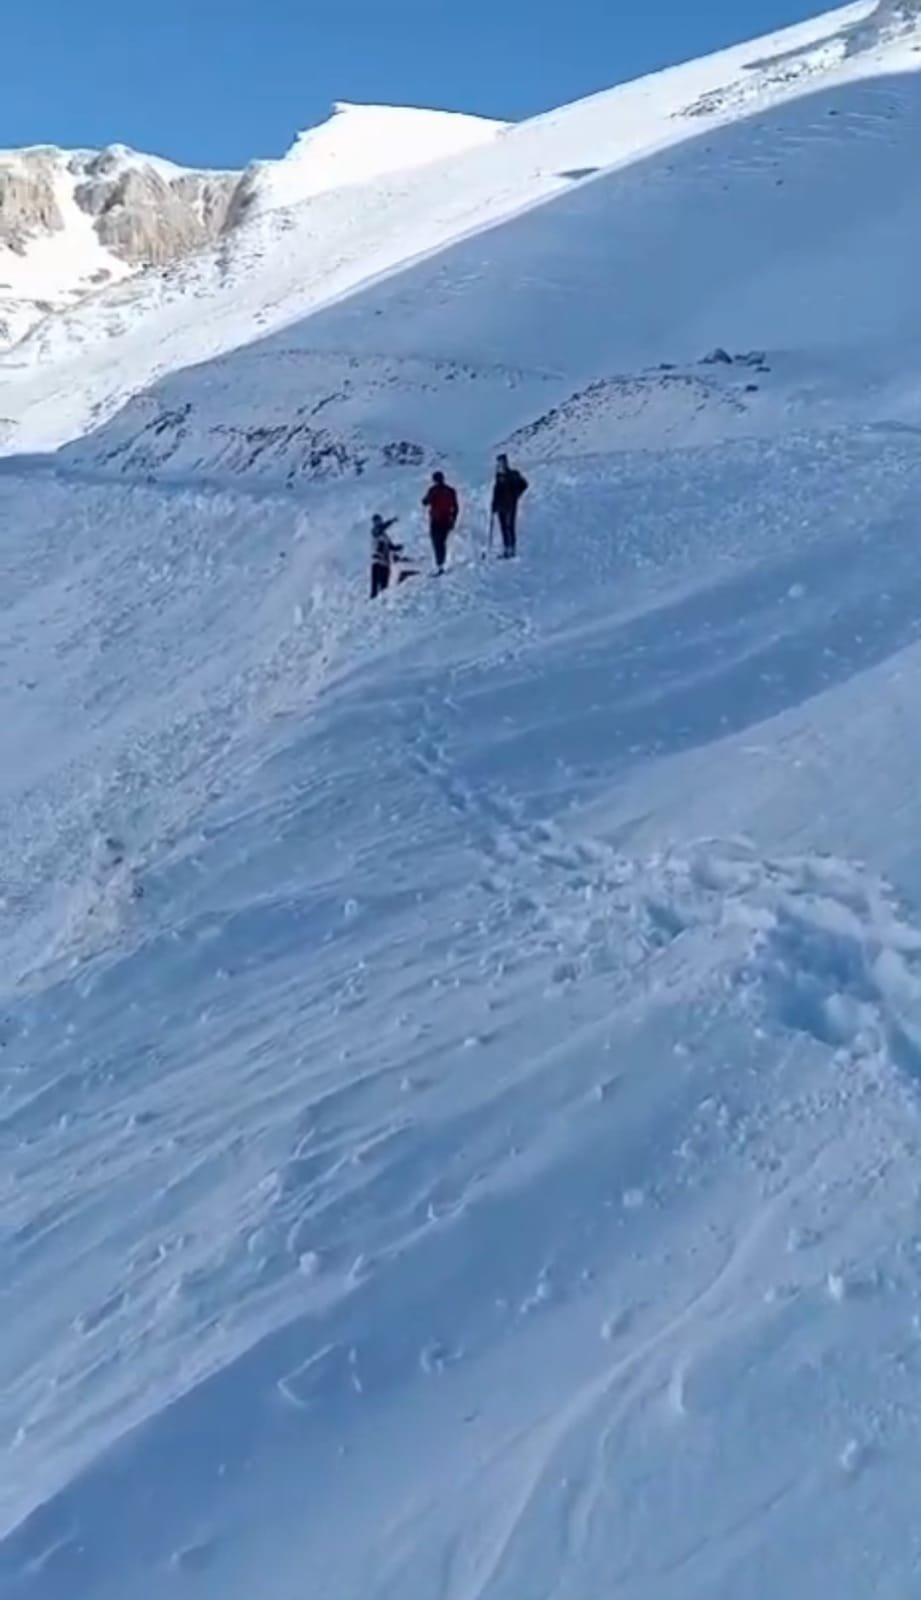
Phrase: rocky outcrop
(892, 13)
(889, 19)
(148, 219)
(144, 212)
(112, 212)
(28, 198)
(74, 221)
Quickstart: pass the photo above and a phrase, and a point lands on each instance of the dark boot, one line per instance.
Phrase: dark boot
(507, 526)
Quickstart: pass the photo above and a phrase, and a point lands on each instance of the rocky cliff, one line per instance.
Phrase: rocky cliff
(28, 198)
(887, 20)
(72, 221)
(147, 215)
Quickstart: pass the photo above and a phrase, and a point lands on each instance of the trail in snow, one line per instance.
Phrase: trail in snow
(518, 1013)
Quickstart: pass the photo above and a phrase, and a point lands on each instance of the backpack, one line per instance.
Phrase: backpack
(442, 504)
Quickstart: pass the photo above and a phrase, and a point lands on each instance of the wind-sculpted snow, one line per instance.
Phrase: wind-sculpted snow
(290, 417)
(410, 1103)
(625, 1124)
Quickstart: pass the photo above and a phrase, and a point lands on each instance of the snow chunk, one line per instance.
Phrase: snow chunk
(310, 1264)
(852, 1457)
(837, 1287)
(617, 1324)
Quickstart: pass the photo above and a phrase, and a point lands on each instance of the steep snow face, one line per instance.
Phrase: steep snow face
(359, 143)
(73, 221)
(566, 333)
(460, 1057)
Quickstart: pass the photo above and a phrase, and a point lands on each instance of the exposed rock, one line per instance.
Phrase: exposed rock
(890, 18)
(73, 222)
(28, 201)
(147, 220)
(143, 212)
(892, 13)
(212, 194)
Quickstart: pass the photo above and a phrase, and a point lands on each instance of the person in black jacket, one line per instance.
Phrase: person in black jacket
(507, 492)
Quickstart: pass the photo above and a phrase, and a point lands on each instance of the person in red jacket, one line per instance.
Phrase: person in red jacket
(442, 505)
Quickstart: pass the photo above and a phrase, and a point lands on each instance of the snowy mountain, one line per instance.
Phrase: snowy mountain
(460, 1055)
(72, 222)
(359, 143)
(286, 263)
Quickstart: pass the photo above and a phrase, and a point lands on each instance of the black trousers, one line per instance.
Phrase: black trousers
(380, 578)
(508, 519)
(439, 535)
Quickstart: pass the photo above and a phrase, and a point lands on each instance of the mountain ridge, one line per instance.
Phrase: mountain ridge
(72, 221)
(283, 262)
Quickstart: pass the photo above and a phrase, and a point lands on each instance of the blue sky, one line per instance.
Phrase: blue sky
(219, 81)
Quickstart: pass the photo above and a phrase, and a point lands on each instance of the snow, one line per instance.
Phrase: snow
(66, 267)
(460, 1056)
(55, 268)
(288, 262)
(62, 267)
(121, 155)
(362, 142)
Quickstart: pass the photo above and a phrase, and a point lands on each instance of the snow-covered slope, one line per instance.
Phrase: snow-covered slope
(360, 143)
(72, 222)
(286, 263)
(460, 1070)
(566, 332)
